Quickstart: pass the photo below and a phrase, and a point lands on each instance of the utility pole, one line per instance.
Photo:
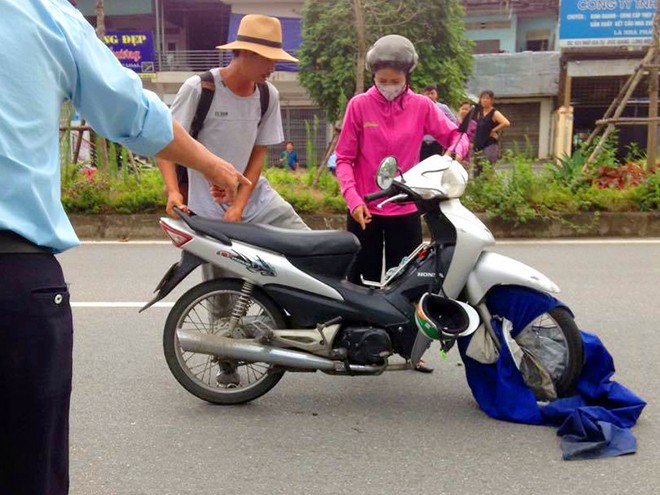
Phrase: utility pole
(362, 46)
(652, 136)
(99, 10)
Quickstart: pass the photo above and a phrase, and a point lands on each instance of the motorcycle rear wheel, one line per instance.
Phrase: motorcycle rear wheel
(207, 308)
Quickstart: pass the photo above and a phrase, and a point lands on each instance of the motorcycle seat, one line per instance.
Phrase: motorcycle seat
(284, 241)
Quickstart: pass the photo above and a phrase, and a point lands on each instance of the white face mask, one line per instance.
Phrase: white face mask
(391, 91)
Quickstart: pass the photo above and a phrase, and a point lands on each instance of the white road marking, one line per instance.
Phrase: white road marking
(127, 304)
(636, 240)
(580, 241)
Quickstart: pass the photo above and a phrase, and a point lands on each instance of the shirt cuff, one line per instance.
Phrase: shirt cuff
(353, 199)
(157, 130)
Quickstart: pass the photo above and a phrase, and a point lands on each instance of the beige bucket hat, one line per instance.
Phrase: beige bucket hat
(260, 34)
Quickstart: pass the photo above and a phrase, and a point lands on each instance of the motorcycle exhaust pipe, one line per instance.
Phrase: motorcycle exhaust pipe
(249, 350)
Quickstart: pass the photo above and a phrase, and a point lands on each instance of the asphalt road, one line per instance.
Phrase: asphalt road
(134, 430)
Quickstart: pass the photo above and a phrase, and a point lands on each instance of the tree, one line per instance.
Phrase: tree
(99, 10)
(331, 57)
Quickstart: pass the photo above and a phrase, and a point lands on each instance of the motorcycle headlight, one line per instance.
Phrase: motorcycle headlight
(386, 172)
(454, 180)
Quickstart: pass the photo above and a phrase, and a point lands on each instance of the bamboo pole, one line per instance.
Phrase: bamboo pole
(651, 54)
(329, 151)
(652, 140)
(652, 135)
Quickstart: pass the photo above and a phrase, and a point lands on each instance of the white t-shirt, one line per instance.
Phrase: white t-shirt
(231, 130)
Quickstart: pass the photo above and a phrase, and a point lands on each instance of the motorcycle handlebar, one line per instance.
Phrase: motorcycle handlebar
(377, 195)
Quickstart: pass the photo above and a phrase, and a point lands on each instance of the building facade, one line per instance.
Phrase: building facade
(517, 55)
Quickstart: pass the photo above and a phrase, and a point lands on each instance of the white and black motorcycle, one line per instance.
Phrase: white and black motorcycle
(286, 305)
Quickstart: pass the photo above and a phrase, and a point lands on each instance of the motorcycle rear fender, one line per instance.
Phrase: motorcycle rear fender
(174, 276)
(494, 269)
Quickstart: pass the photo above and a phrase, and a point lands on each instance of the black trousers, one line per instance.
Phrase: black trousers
(400, 235)
(36, 337)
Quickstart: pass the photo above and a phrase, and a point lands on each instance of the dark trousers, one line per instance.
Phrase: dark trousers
(36, 337)
(400, 236)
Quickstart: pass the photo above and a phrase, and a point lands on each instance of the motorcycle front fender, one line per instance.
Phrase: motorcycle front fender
(494, 269)
(174, 276)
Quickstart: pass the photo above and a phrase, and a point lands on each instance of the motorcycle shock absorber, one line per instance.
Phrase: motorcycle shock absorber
(241, 306)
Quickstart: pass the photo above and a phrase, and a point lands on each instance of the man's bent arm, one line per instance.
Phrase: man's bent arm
(252, 173)
(185, 150)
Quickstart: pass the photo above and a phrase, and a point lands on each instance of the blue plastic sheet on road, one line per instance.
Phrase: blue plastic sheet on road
(594, 423)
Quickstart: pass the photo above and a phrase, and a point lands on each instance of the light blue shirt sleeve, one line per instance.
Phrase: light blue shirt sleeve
(111, 98)
(50, 54)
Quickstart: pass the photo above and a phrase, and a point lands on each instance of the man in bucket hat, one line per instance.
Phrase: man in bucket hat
(242, 119)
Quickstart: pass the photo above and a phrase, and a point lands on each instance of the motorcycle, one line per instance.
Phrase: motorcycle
(286, 305)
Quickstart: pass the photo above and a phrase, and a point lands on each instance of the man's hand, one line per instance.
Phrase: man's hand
(362, 215)
(175, 199)
(219, 194)
(233, 214)
(225, 178)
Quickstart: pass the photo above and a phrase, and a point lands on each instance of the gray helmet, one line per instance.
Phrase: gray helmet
(392, 50)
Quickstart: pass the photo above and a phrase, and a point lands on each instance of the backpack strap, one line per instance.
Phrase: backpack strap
(264, 99)
(204, 104)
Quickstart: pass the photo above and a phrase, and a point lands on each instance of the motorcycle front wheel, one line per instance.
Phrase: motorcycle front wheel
(207, 308)
(552, 348)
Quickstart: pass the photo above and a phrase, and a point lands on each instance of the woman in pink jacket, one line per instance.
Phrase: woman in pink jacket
(389, 119)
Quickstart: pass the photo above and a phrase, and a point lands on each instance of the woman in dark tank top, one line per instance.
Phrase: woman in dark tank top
(489, 122)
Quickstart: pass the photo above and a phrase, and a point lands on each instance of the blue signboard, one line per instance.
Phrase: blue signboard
(134, 49)
(606, 23)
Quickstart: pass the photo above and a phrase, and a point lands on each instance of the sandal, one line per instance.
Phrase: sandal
(423, 368)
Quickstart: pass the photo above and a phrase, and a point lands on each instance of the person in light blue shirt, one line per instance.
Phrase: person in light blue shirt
(49, 55)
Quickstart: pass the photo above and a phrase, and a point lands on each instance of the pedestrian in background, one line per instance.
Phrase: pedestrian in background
(430, 146)
(463, 113)
(490, 122)
(289, 157)
(55, 56)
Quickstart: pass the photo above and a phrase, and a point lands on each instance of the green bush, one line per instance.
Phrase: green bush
(506, 194)
(517, 194)
(647, 194)
(101, 193)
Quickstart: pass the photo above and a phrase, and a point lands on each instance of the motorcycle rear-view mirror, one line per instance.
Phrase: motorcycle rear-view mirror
(386, 172)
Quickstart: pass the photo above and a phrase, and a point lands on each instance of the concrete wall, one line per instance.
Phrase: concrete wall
(507, 37)
(277, 9)
(536, 25)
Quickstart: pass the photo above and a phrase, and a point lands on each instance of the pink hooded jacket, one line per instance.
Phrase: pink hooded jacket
(375, 128)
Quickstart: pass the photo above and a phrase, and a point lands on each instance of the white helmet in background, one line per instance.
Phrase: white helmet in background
(392, 51)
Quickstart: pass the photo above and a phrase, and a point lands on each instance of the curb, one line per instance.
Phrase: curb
(599, 224)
